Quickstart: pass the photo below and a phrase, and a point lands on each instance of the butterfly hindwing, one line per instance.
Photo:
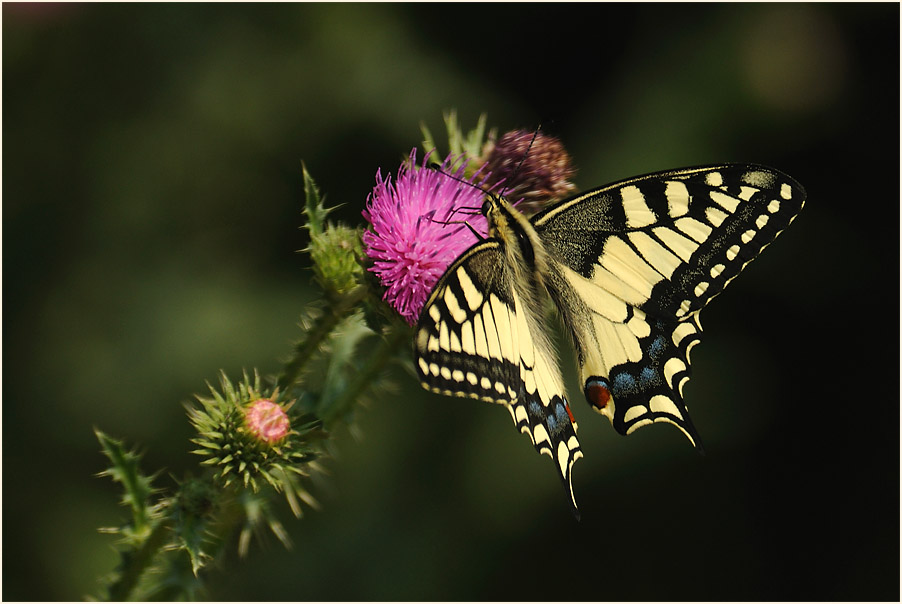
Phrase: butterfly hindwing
(651, 390)
(475, 339)
(639, 259)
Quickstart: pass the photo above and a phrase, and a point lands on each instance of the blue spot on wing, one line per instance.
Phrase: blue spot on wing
(656, 348)
(552, 423)
(648, 376)
(623, 383)
(554, 417)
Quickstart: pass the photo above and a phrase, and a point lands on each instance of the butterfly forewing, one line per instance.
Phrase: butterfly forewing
(458, 348)
(669, 242)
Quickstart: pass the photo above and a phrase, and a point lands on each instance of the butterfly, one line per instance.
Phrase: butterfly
(628, 266)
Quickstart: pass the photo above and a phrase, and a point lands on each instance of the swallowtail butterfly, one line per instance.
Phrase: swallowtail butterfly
(629, 266)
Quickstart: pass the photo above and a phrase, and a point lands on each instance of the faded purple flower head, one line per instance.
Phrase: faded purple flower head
(409, 243)
(535, 167)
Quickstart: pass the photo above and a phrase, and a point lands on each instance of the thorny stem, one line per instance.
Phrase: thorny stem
(135, 564)
(317, 333)
(367, 374)
(134, 567)
(138, 563)
(230, 516)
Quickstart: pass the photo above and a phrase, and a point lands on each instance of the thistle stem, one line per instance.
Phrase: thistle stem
(367, 374)
(131, 572)
(320, 330)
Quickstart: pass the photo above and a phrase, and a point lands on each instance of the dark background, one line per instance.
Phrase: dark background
(151, 204)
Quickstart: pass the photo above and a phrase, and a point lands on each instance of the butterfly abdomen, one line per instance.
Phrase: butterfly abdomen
(528, 266)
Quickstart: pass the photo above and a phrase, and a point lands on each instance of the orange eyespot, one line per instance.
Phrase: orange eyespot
(597, 392)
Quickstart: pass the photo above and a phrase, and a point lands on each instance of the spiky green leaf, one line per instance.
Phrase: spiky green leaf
(125, 470)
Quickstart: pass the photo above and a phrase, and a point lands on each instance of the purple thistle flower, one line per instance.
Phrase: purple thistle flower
(409, 243)
(535, 168)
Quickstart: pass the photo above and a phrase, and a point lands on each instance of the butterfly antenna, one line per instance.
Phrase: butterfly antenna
(464, 181)
(516, 172)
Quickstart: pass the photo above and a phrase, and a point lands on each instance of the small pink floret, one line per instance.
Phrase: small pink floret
(267, 421)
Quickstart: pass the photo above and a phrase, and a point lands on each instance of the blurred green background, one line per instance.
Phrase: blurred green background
(151, 204)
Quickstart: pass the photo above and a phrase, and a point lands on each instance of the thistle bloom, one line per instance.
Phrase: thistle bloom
(267, 421)
(534, 167)
(248, 437)
(411, 241)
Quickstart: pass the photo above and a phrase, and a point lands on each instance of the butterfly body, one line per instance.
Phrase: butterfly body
(628, 267)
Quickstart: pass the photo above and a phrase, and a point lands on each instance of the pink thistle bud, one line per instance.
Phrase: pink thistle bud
(267, 421)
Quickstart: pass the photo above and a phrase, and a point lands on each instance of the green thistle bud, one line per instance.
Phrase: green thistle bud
(467, 150)
(246, 435)
(334, 248)
(335, 253)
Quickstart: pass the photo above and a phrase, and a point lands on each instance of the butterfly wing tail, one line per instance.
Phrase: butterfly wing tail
(650, 390)
(553, 432)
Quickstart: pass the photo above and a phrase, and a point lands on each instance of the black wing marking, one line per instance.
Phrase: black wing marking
(474, 340)
(640, 258)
